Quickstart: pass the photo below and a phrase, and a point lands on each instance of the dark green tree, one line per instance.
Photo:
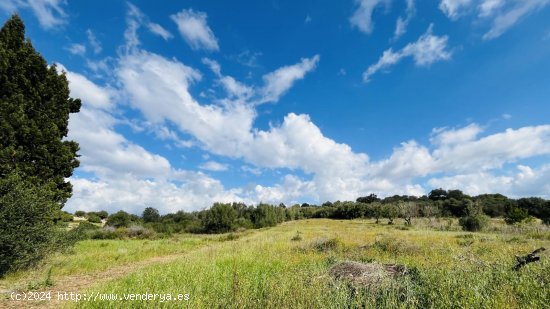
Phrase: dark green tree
(34, 115)
(220, 218)
(119, 219)
(35, 158)
(150, 214)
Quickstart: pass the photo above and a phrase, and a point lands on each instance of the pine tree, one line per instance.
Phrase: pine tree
(34, 115)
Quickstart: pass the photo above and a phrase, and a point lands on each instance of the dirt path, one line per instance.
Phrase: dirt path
(79, 283)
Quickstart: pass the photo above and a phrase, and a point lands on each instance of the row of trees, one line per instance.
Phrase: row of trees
(222, 218)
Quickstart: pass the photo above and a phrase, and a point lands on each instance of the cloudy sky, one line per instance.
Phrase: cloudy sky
(192, 102)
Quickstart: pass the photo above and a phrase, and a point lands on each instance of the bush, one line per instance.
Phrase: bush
(80, 213)
(220, 219)
(474, 223)
(119, 219)
(516, 215)
(26, 223)
(93, 218)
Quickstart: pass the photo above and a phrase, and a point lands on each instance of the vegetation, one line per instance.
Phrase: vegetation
(272, 268)
(34, 115)
(26, 223)
(35, 158)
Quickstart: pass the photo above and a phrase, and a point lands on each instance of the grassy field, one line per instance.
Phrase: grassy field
(288, 267)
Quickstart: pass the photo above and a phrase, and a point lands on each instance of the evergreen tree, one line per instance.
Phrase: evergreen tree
(35, 159)
(34, 115)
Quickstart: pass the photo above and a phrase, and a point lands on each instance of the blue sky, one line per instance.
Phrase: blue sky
(191, 102)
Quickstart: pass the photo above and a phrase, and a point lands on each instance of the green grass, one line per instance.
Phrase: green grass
(268, 269)
(93, 256)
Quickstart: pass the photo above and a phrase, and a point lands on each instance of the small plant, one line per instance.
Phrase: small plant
(230, 237)
(325, 244)
(297, 237)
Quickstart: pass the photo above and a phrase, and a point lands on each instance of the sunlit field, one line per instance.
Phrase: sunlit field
(288, 267)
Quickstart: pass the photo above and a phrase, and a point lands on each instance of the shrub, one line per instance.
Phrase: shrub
(119, 219)
(516, 215)
(136, 231)
(26, 222)
(93, 218)
(474, 223)
(476, 220)
(80, 213)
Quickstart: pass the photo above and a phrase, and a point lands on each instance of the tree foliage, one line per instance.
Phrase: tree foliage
(26, 222)
(34, 115)
(35, 158)
(150, 214)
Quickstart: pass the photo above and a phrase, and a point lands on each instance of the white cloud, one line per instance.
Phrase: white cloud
(128, 176)
(281, 80)
(49, 13)
(525, 182)
(214, 166)
(501, 14)
(402, 23)
(233, 88)
(91, 94)
(194, 28)
(252, 170)
(362, 17)
(291, 190)
(452, 8)
(160, 31)
(94, 42)
(133, 194)
(504, 20)
(444, 136)
(77, 49)
(426, 50)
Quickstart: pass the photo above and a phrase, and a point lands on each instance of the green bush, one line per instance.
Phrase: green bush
(220, 219)
(516, 215)
(93, 218)
(474, 223)
(27, 216)
(80, 213)
(119, 219)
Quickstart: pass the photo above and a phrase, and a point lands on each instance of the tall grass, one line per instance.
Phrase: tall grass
(268, 269)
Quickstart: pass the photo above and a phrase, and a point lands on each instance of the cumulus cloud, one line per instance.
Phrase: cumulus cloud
(133, 194)
(426, 50)
(500, 14)
(194, 29)
(362, 17)
(526, 181)
(50, 13)
(94, 95)
(129, 176)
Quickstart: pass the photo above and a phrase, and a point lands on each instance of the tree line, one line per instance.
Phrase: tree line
(228, 217)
